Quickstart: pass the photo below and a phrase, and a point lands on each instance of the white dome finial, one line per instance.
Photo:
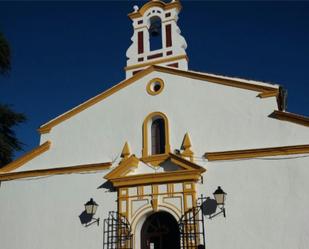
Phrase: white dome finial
(136, 8)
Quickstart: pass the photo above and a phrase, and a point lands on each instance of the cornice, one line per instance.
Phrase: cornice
(49, 125)
(54, 171)
(124, 166)
(215, 79)
(267, 94)
(155, 159)
(253, 153)
(154, 178)
(194, 75)
(159, 61)
(291, 117)
(26, 157)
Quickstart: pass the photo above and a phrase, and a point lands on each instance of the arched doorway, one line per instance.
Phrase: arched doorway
(160, 231)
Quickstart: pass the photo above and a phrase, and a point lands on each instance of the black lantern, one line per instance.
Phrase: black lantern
(210, 206)
(219, 195)
(90, 209)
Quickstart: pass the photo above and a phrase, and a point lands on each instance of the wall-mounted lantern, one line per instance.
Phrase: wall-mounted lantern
(91, 208)
(219, 195)
(209, 206)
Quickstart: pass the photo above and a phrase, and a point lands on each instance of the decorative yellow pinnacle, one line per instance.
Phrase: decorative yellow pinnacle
(125, 151)
(186, 144)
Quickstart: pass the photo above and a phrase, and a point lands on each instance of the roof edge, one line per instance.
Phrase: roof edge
(291, 117)
(26, 157)
(46, 128)
(55, 171)
(261, 152)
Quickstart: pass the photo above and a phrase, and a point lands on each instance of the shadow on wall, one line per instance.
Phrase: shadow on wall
(85, 218)
(209, 206)
(108, 186)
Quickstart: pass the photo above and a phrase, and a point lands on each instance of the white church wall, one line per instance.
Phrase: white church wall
(217, 118)
(266, 205)
(44, 212)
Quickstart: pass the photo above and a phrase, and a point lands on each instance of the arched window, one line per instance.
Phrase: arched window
(157, 137)
(155, 33)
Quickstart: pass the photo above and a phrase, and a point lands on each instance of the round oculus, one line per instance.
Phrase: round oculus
(155, 86)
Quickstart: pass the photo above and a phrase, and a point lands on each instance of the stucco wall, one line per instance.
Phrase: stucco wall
(267, 207)
(44, 212)
(217, 118)
(267, 203)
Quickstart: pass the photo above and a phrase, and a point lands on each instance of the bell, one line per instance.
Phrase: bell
(155, 29)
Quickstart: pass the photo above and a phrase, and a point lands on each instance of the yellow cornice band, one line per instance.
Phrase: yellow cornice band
(164, 177)
(159, 61)
(253, 153)
(123, 167)
(268, 94)
(291, 117)
(26, 157)
(54, 171)
(212, 79)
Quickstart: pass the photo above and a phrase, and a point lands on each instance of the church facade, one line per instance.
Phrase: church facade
(167, 158)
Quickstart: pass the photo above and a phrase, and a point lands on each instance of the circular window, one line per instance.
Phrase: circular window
(155, 86)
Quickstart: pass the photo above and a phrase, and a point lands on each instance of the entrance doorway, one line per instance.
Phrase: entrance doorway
(160, 231)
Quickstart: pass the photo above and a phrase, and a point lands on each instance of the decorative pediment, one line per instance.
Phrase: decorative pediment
(132, 171)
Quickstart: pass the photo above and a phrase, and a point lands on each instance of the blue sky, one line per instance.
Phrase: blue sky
(66, 52)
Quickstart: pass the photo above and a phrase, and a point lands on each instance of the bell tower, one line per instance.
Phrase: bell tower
(156, 39)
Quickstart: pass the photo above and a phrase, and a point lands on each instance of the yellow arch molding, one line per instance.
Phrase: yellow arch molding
(145, 152)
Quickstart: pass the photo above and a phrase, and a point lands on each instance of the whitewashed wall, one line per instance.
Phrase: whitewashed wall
(44, 213)
(267, 205)
(217, 118)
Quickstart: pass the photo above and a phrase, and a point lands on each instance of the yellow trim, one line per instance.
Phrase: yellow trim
(123, 198)
(185, 164)
(170, 189)
(54, 171)
(214, 79)
(159, 61)
(168, 204)
(268, 94)
(155, 160)
(48, 126)
(150, 4)
(291, 117)
(140, 192)
(154, 189)
(164, 177)
(123, 168)
(167, 148)
(193, 75)
(125, 151)
(149, 86)
(186, 145)
(26, 158)
(252, 153)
